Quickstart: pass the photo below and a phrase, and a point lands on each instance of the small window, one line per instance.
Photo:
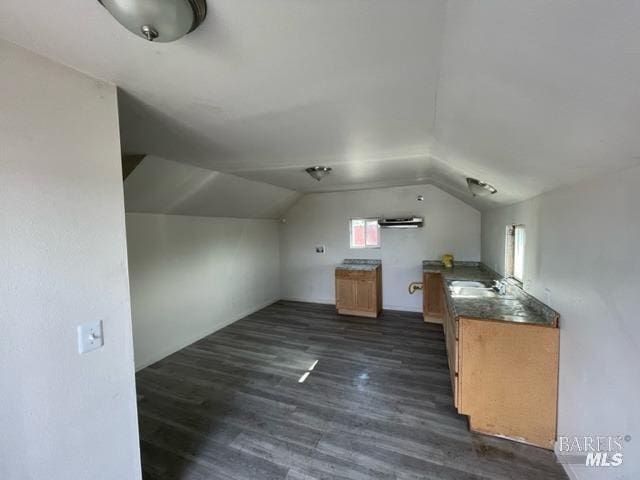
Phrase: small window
(514, 252)
(364, 233)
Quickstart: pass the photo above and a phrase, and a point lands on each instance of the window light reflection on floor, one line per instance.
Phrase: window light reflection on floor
(306, 374)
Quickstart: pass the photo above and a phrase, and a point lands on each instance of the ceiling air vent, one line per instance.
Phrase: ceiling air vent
(404, 222)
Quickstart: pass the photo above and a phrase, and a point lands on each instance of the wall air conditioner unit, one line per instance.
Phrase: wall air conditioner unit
(404, 222)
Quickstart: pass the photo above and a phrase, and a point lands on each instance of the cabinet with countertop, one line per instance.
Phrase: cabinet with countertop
(359, 287)
(502, 350)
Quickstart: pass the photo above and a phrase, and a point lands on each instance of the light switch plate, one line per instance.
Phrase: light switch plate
(90, 336)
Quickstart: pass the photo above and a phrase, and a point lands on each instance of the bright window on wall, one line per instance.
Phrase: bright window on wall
(514, 252)
(364, 233)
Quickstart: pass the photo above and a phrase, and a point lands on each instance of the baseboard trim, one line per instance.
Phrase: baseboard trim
(199, 336)
(568, 468)
(323, 301)
(331, 301)
(402, 308)
(571, 473)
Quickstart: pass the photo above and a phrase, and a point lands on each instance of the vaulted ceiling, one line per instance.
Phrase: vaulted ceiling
(527, 95)
(158, 185)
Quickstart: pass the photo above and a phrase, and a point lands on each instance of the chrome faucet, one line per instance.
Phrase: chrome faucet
(501, 286)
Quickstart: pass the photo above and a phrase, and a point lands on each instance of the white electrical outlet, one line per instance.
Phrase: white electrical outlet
(90, 336)
(547, 296)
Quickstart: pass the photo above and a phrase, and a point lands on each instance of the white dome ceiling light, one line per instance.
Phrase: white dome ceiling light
(158, 20)
(318, 172)
(479, 188)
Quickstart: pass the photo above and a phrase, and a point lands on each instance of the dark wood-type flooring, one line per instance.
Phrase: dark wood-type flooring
(377, 405)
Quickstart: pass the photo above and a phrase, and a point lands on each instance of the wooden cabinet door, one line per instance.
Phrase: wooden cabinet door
(425, 294)
(508, 379)
(365, 295)
(449, 325)
(434, 294)
(358, 292)
(345, 293)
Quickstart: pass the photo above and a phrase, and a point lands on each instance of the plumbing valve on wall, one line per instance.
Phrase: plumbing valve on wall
(413, 286)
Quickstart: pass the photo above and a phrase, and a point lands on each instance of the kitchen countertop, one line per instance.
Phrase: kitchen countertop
(515, 306)
(359, 264)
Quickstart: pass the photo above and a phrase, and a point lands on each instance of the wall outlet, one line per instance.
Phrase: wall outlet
(320, 249)
(90, 336)
(547, 296)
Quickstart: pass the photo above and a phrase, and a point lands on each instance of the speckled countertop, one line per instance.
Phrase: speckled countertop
(515, 306)
(359, 264)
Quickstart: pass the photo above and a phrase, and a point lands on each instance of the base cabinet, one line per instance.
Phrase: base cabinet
(359, 292)
(504, 377)
(508, 379)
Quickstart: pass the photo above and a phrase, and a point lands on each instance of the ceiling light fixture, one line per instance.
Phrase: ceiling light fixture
(479, 188)
(318, 172)
(158, 20)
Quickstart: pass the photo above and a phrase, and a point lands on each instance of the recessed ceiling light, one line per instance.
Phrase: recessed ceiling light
(158, 20)
(479, 188)
(318, 172)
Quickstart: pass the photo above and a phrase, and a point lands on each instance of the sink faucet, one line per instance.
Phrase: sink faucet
(501, 285)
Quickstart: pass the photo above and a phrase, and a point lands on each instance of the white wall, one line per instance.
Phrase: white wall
(191, 276)
(63, 260)
(323, 219)
(582, 245)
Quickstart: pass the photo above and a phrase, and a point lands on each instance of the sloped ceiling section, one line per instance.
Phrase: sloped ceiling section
(163, 186)
(526, 95)
(534, 95)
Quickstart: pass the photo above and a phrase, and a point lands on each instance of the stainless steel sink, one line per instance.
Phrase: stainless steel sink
(472, 283)
(472, 292)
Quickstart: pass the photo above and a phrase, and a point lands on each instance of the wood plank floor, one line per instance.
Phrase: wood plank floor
(376, 405)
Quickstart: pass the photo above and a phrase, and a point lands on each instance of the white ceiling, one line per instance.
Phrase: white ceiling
(527, 95)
